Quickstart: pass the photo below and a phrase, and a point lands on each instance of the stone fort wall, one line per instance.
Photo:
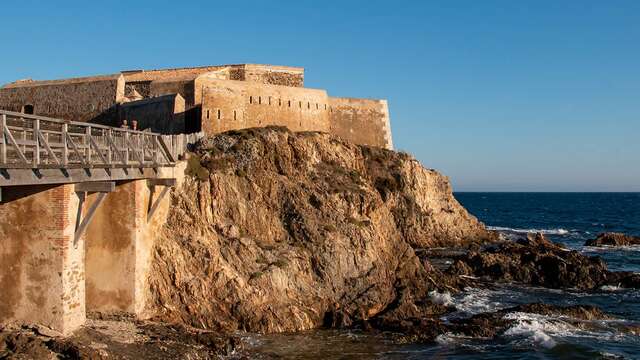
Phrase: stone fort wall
(80, 99)
(229, 105)
(212, 99)
(362, 121)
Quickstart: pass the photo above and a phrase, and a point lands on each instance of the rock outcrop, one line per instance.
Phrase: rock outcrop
(278, 231)
(613, 239)
(481, 326)
(540, 262)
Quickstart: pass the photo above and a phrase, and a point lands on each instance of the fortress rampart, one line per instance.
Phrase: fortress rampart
(210, 99)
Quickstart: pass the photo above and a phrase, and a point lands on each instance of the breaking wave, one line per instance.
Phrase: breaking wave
(444, 298)
(530, 231)
(474, 301)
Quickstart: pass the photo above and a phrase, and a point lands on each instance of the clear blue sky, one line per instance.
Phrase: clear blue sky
(499, 95)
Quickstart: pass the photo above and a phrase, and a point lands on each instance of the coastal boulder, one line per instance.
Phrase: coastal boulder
(537, 261)
(613, 239)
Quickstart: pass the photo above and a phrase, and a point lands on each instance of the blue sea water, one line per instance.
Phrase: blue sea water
(570, 218)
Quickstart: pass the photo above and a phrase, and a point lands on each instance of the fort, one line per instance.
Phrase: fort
(83, 193)
(210, 99)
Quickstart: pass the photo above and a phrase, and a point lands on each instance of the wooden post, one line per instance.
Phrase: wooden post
(36, 139)
(3, 146)
(126, 147)
(65, 148)
(109, 147)
(87, 144)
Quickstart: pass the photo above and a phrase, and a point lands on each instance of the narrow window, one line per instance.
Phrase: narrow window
(235, 117)
(259, 100)
(218, 114)
(316, 106)
(308, 105)
(250, 99)
(207, 114)
(269, 100)
(325, 106)
(27, 109)
(300, 104)
(289, 103)
(279, 102)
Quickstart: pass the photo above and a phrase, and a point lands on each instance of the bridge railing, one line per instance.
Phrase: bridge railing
(31, 141)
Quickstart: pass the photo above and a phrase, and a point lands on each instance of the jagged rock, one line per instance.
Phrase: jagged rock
(326, 232)
(613, 239)
(537, 261)
(485, 325)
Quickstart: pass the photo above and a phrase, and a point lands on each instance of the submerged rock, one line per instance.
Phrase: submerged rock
(613, 239)
(485, 325)
(278, 231)
(537, 261)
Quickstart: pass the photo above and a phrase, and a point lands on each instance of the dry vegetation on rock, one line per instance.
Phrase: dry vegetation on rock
(280, 231)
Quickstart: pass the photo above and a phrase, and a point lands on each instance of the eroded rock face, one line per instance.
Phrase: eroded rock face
(281, 231)
(537, 261)
(613, 239)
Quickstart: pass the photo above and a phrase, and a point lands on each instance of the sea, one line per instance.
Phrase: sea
(568, 218)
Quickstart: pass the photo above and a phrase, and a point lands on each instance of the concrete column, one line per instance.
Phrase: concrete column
(41, 270)
(119, 241)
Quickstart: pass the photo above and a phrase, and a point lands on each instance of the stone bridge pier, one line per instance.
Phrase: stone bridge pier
(69, 249)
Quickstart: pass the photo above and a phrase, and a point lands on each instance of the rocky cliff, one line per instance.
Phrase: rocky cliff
(279, 231)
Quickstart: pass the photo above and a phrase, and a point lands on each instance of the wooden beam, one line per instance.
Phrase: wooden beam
(36, 149)
(65, 148)
(162, 182)
(98, 151)
(96, 186)
(75, 149)
(3, 137)
(156, 203)
(12, 140)
(87, 218)
(47, 147)
(167, 154)
(131, 147)
(113, 145)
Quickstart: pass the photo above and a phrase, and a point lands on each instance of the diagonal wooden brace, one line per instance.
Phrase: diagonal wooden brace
(102, 188)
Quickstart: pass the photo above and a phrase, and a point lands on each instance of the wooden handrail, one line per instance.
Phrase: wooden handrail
(38, 142)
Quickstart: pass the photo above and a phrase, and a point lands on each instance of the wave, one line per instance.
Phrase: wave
(559, 231)
(535, 329)
(444, 298)
(611, 248)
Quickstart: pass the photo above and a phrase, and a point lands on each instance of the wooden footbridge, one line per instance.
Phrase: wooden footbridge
(40, 150)
(56, 263)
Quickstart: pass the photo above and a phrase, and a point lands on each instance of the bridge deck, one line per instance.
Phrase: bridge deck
(41, 150)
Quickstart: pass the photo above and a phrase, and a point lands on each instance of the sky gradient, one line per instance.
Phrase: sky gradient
(499, 95)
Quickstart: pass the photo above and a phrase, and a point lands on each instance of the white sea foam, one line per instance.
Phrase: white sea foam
(608, 248)
(611, 288)
(539, 329)
(530, 231)
(451, 339)
(444, 298)
(535, 329)
(474, 301)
